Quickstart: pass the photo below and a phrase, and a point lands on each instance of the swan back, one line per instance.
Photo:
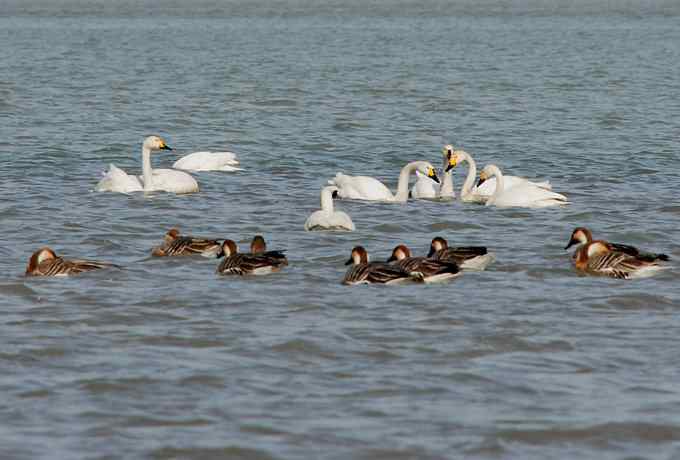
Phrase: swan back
(208, 161)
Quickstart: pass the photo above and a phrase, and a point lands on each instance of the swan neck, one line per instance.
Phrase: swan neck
(446, 189)
(147, 172)
(404, 176)
(500, 181)
(327, 200)
(472, 174)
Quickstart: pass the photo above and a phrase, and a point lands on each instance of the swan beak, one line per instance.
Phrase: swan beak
(350, 261)
(432, 175)
(164, 146)
(452, 164)
(480, 181)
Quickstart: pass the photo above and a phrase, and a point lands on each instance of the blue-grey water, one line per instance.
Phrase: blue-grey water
(164, 359)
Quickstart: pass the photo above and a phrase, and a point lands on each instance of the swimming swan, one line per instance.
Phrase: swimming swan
(326, 218)
(427, 188)
(480, 193)
(166, 180)
(368, 188)
(523, 194)
(208, 161)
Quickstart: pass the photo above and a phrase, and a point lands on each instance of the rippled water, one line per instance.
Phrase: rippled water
(164, 359)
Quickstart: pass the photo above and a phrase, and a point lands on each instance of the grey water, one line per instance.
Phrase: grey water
(164, 359)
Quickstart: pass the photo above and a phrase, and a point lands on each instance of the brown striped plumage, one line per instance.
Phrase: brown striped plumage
(440, 250)
(364, 272)
(175, 244)
(582, 236)
(251, 263)
(428, 268)
(44, 262)
(600, 258)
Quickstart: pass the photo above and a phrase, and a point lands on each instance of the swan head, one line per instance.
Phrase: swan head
(400, 252)
(359, 256)
(258, 244)
(38, 257)
(155, 143)
(228, 248)
(580, 235)
(428, 170)
(486, 173)
(448, 154)
(438, 243)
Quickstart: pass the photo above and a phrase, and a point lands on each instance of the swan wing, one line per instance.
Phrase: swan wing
(527, 195)
(208, 161)
(424, 187)
(170, 180)
(361, 188)
(117, 180)
(321, 220)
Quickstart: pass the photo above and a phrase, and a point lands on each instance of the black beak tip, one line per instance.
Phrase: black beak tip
(436, 179)
(448, 168)
(349, 262)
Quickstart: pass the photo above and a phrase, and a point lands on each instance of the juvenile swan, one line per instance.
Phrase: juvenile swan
(368, 188)
(166, 180)
(524, 194)
(326, 218)
(253, 263)
(175, 244)
(44, 262)
(480, 193)
(364, 272)
(599, 258)
(431, 270)
(208, 161)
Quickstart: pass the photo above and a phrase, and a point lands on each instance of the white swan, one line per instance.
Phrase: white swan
(368, 188)
(427, 188)
(523, 194)
(480, 193)
(167, 180)
(208, 161)
(326, 218)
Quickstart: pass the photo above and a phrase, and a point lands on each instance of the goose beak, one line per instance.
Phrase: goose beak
(571, 243)
(350, 261)
(392, 258)
(452, 164)
(432, 175)
(431, 253)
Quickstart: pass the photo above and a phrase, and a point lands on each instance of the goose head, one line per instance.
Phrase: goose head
(155, 143)
(258, 244)
(171, 236)
(400, 252)
(38, 257)
(580, 235)
(486, 173)
(359, 256)
(425, 168)
(227, 249)
(438, 243)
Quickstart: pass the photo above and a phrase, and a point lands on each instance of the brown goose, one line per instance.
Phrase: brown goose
(582, 236)
(364, 272)
(431, 270)
(44, 262)
(599, 258)
(466, 257)
(260, 263)
(175, 244)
